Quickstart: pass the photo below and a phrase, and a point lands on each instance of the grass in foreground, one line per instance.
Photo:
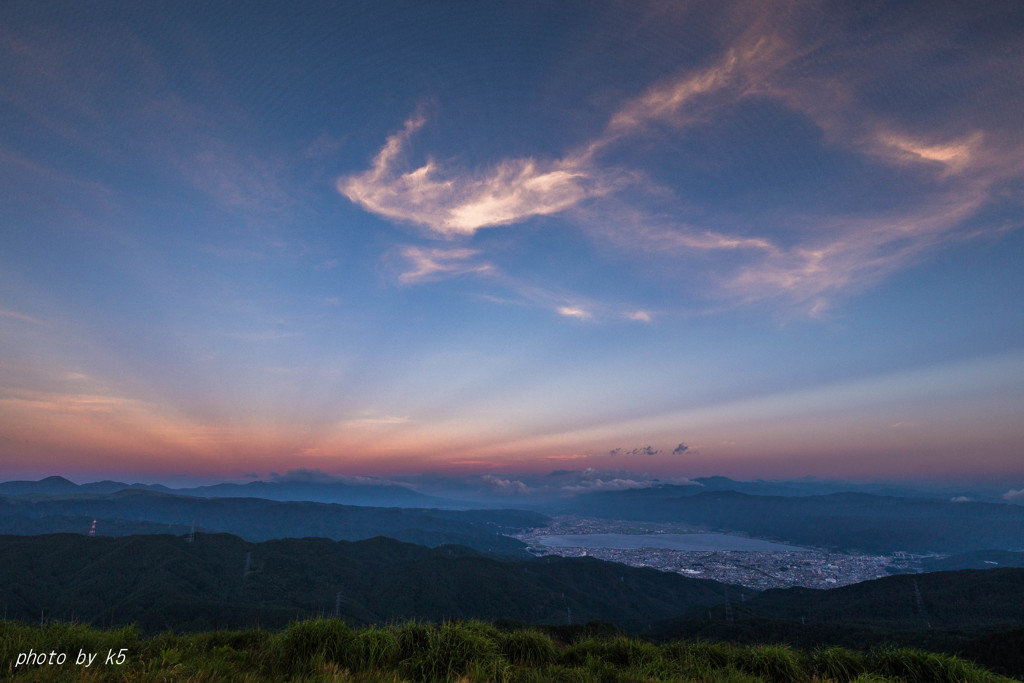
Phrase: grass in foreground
(328, 650)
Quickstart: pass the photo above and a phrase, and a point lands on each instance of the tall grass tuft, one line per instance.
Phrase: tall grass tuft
(413, 639)
(631, 653)
(305, 643)
(775, 663)
(528, 648)
(926, 667)
(699, 659)
(838, 664)
(253, 639)
(582, 650)
(868, 677)
(378, 648)
(452, 651)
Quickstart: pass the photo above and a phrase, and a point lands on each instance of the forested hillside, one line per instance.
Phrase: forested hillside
(221, 581)
(259, 520)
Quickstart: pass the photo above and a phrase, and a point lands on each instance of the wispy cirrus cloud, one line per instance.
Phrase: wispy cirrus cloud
(427, 264)
(644, 450)
(567, 456)
(574, 312)
(593, 480)
(640, 316)
(504, 486)
(24, 317)
(452, 203)
(312, 475)
(855, 253)
(952, 165)
(383, 421)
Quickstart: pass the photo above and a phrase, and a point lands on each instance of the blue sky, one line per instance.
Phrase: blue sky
(388, 238)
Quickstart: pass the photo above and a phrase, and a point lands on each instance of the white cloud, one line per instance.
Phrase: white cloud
(384, 421)
(640, 316)
(826, 256)
(695, 95)
(1012, 494)
(25, 318)
(573, 312)
(450, 203)
(429, 264)
(306, 475)
(434, 263)
(954, 155)
(504, 487)
(567, 456)
(592, 480)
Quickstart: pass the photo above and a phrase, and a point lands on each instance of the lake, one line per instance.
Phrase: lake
(687, 542)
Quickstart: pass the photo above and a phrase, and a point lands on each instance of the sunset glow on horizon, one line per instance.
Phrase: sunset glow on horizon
(685, 239)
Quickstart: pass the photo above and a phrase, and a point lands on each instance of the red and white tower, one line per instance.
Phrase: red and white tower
(92, 529)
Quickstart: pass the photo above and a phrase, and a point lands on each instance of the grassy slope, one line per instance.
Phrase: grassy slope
(328, 650)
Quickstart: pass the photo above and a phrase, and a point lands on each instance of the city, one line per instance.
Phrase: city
(807, 567)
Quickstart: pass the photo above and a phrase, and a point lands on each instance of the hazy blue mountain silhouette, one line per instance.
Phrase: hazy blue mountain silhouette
(259, 519)
(846, 521)
(372, 494)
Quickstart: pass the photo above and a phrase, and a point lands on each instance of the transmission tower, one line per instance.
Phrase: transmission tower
(920, 604)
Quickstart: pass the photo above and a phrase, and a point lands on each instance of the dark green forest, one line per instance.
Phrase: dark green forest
(221, 581)
(165, 583)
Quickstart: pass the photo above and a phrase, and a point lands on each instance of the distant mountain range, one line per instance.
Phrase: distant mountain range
(843, 521)
(370, 494)
(257, 511)
(816, 487)
(134, 511)
(980, 559)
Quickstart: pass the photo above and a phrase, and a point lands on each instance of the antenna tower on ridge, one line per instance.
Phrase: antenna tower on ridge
(92, 529)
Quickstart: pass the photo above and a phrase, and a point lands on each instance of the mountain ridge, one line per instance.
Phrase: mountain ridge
(258, 519)
(848, 521)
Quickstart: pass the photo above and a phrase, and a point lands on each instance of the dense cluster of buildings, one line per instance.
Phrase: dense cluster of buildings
(812, 568)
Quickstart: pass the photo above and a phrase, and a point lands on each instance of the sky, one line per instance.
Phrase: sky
(748, 239)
